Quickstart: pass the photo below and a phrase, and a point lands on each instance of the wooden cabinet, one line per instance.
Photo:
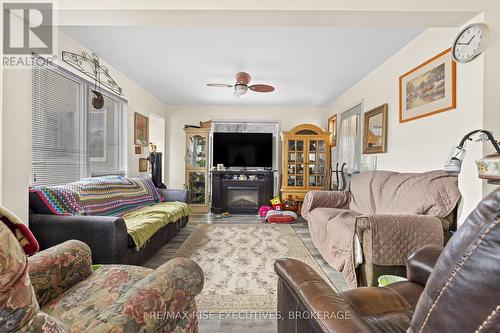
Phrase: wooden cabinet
(305, 161)
(197, 168)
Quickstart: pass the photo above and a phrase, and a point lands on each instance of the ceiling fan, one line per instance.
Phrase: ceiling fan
(241, 86)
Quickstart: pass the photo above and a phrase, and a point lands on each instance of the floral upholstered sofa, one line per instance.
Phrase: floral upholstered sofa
(56, 290)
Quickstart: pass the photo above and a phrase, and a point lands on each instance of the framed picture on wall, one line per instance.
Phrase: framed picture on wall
(429, 88)
(332, 128)
(143, 164)
(375, 130)
(141, 130)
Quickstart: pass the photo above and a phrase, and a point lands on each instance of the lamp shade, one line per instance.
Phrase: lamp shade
(489, 168)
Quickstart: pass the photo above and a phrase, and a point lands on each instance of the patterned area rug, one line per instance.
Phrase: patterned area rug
(238, 260)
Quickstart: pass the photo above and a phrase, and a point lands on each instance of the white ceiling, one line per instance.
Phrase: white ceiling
(308, 66)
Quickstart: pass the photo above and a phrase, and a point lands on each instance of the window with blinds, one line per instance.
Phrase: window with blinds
(69, 139)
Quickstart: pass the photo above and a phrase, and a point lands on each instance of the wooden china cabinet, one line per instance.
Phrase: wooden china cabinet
(306, 153)
(197, 168)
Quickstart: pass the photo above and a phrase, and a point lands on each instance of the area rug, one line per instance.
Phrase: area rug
(238, 263)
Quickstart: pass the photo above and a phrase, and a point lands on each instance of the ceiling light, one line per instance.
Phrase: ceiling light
(240, 89)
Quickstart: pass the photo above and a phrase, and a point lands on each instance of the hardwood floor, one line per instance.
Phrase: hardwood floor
(240, 323)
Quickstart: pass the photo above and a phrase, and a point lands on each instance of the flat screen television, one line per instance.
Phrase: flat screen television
(248, 150)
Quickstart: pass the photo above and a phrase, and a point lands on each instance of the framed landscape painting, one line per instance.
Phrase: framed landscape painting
(429, 88)
(141, 130)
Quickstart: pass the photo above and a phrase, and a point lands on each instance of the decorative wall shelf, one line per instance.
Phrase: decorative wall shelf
(89, 65)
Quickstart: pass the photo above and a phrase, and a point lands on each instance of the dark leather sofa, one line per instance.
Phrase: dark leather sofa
(451, 290)
(105, 235)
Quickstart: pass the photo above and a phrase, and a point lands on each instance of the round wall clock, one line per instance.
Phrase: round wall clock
(470, 42)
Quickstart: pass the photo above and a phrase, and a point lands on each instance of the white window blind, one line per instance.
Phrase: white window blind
(71, 140)
(58, 151)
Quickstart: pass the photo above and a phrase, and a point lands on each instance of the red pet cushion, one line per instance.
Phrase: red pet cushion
(22, 233)
(281, 219)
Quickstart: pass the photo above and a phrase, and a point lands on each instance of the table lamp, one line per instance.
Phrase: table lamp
(488, 167)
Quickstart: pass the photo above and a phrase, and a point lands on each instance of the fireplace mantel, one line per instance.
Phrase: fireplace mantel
(241, 191)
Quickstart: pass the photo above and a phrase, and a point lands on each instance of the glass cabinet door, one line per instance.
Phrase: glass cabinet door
(296, 162)
(197, 152)
(316, 163)
(196, 187)
(197, 176)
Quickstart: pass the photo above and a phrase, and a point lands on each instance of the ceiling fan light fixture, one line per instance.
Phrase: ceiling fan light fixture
(240, 89)
(241, 86)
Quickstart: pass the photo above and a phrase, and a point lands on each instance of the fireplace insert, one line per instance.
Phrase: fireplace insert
(242, 198)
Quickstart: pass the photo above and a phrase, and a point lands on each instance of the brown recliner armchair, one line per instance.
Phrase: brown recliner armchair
(454, 290)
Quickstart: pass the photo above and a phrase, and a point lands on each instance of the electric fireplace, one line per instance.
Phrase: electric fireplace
(241, 192)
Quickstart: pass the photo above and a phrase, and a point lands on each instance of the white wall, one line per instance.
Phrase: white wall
(178, 116)
(424, 144)
(16, 126)
(16, 145)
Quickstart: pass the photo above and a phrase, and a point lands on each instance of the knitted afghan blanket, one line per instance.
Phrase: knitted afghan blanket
(103, 196)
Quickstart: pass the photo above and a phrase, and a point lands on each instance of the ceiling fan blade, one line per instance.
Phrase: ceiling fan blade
(243, 78)
(261, 88)
(219, 85)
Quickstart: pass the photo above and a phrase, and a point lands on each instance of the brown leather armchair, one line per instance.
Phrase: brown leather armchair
(454, 290)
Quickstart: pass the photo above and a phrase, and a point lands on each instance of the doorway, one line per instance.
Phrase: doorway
(157, 136)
